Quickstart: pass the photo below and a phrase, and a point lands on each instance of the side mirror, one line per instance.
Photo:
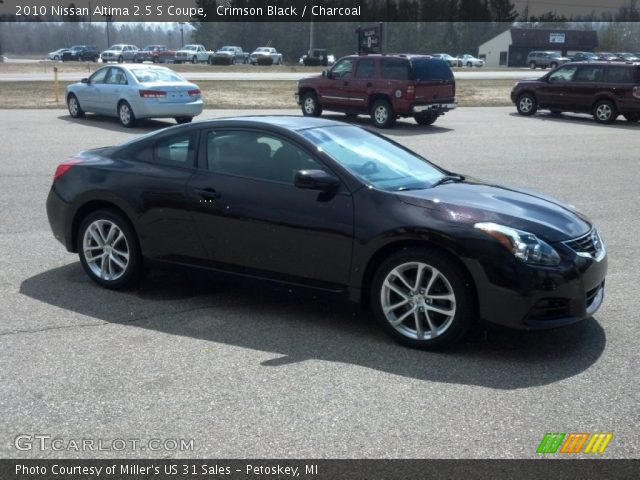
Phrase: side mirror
(85, 80)
(316, 180)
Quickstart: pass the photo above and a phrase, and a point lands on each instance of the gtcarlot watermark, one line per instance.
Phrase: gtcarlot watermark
(42, 442)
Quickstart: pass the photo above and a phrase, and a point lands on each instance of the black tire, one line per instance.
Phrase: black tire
(73, 104)
(526, 104)
(553, 65)
(125, 114)
(469, 64)
(194, 60)
(310, 105)
(632, 117)
(532, 65)
(605, 111)
(155, 60)
(181, 120)
(56, 57)
(438, 329)
(120, 59)
(382, 114)
(426, 119)
(101, 222)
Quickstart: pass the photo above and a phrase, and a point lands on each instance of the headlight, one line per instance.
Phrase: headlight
(525, 246)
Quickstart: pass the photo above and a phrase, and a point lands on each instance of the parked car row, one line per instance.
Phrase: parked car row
(553, 59)
(192, 53)
(466, 60)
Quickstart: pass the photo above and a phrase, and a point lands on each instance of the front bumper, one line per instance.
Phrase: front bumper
(523, 296)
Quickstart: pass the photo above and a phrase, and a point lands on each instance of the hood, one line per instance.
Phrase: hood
(469, 202)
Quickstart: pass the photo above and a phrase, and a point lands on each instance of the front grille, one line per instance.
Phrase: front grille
(588, 245)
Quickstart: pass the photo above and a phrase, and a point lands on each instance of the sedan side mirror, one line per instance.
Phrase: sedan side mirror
(316, 180)
(85, 80)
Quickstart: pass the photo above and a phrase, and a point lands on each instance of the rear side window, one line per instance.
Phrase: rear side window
(589, 73)
(395, 69)
(430, 69)
(177, 150)
(366, 68)
(620, 75)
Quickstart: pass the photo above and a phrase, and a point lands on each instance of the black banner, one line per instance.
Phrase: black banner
(318, 469)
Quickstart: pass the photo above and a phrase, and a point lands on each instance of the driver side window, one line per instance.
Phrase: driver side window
(563, 74)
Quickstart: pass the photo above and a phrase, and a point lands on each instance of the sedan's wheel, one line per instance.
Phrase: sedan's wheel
(421, 299)
(382, 114)
(74, 107)
(108, 250)
(127, 118)
(310, 105)
(526, 104)
(532, 65)
(426, 119)
(604, 111)
(632, 117)
(120, 59)
(181, 120)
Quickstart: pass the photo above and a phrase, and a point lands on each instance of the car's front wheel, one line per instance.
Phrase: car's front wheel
(194, 60)
(125, 114)
(382, 114)
(120, 59)
(310, 105)
(526, 104)
(426, 119)
(74, 107)
(604, 111)
(109, 251)
(422, 299)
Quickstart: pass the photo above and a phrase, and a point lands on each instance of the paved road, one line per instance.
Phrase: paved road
(254, 372)
(472, 74)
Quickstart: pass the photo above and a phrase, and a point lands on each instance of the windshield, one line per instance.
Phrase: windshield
(115, 47)
(373, 159)
(190, 47)
(156, 75)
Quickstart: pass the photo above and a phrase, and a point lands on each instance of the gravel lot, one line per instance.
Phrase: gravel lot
(261, 372)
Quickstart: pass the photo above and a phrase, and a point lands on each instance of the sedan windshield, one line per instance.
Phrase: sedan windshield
(156, 75)
(373, 159)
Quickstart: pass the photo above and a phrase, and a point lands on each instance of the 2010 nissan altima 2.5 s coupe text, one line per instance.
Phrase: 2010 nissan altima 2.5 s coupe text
(326, 205)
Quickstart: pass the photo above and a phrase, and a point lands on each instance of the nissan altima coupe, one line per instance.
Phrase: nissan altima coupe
(131, 92)
(330, 206)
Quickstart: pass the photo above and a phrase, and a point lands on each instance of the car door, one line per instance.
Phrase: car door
(553, 93)
(360, 87)
(620, 80)
(112, 90)
(89, 93)
(159, 172)
(587, 81)
(333, 92)
(252, 218)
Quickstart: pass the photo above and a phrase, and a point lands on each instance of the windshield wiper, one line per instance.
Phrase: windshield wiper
(448, 179)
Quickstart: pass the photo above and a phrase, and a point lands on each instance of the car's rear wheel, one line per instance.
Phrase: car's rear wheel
(109, 251)
(426, 119)
(125, 114)
(422, 299)
(181, 120)
(310, 105)
(526, 104)
(632, 117)
(532, 65)
(382, 114)
(74, 107)
(604, 111)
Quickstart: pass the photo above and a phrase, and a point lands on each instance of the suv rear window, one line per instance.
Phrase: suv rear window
(620, 75)
(430, 69)
(395, 69)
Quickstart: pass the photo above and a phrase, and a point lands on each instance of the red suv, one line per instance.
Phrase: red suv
(602, 89)
(383, 86)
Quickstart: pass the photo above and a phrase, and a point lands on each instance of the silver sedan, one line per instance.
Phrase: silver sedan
(131, 92)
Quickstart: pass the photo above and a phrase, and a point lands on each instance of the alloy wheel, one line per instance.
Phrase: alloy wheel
(418, 301)
(604, 112)
(106, 250)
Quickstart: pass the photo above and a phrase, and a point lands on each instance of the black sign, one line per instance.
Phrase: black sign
(369, 39)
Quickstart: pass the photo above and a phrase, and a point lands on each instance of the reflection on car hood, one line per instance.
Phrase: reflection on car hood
(470, 202)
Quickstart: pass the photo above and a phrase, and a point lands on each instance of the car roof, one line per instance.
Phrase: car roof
(287, 122)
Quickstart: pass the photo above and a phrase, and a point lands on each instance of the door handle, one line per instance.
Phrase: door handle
(207, 193)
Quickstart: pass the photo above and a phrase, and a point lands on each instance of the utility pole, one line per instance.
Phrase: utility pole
(181, 34)
(311, 35)
(108, 18)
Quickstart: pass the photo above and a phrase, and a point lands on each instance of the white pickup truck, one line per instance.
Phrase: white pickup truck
(262, 52)
(193, 54)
